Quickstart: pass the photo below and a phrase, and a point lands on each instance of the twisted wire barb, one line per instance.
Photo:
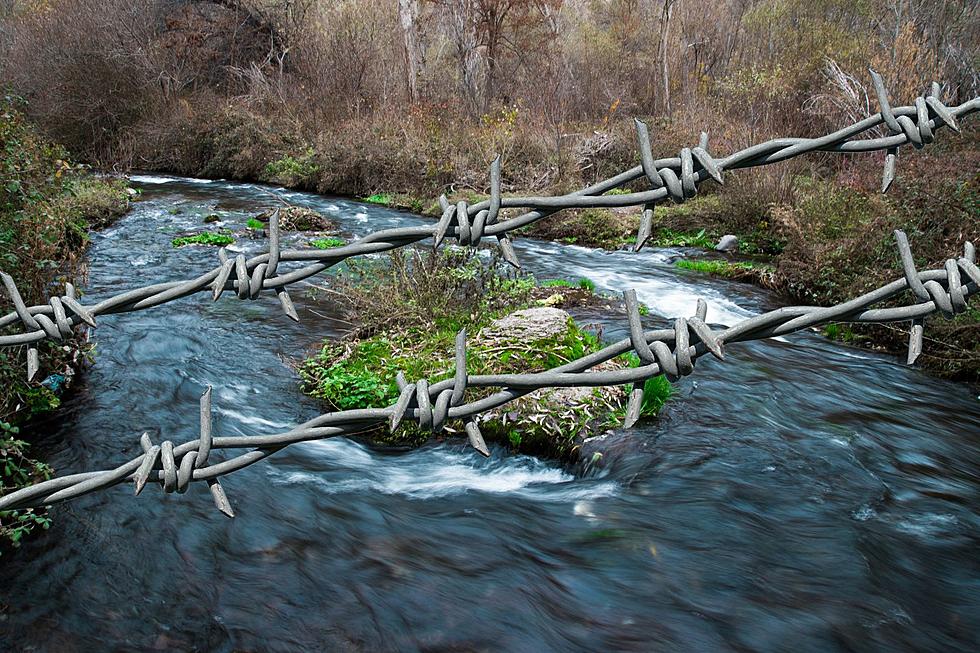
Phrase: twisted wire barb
(672, 352)
(676, 178)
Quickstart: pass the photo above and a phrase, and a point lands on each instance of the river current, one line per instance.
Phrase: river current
(800, 496)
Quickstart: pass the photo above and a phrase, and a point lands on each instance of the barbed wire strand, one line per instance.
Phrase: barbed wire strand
(672, 352)
(674, 178)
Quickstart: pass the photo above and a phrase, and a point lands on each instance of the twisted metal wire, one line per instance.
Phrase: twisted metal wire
(675, 178)
(672, 352)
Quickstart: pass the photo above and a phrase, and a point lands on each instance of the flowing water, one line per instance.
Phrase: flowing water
(800, 496)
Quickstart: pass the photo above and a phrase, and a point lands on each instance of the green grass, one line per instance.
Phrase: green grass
(721, 268)
(671, 238)
(583, 283)
(656, 390)
(843, 333)
(255, 224)
(328, 243)
(379, 198)
(205, 238)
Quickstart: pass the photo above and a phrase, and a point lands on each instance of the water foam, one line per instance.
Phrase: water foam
(439, 471)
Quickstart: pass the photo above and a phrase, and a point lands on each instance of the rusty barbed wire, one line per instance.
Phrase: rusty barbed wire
(672, 352)
(675, 178)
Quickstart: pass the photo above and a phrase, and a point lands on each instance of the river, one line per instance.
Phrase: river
(802, 495)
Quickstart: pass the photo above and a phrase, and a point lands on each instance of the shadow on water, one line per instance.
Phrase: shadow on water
(800, 496)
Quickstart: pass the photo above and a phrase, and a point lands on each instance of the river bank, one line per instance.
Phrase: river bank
(48, 205)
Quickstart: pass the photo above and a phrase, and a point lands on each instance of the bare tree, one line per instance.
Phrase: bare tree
(408, 16)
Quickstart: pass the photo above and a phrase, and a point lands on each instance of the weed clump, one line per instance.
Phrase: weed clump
(407, 316)
(328, 243)
(206, 238)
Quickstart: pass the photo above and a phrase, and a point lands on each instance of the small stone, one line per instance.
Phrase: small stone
(728, 243)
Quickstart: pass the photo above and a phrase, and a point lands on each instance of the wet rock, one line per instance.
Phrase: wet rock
(728, 243)
(214, 217)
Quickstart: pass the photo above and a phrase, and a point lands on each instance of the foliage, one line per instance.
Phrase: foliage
(379, 198)
(409, 313)
(722, 268)
(328, 243)
(656, 390)
(670, 238)
(293, 171)
(588, 227)
(255, 224)
(18, 470)
(204, 238)
(583, 283)
(47, 205)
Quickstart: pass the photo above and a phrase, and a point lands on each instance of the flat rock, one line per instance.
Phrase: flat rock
(528, 325)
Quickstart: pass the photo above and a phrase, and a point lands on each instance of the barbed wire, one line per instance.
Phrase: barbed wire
(675, 178)
(672, 352)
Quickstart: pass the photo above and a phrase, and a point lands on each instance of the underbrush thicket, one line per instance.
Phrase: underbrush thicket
(407, 315)
(47, 206)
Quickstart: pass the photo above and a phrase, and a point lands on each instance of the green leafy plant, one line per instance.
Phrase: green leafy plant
(670, 238)
(379, 198)
(255, 224)
(409, 313)
(294, 171)
(719, 267)
(328, 243)
(205, 238)
(18, 470)
(583, 283)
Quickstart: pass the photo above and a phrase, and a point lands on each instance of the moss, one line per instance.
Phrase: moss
(206, 238)
(255, 224)
(328, 243)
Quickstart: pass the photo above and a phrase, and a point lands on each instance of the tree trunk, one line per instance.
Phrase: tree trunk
(664, 64)
(464, 32)
(408, 13)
